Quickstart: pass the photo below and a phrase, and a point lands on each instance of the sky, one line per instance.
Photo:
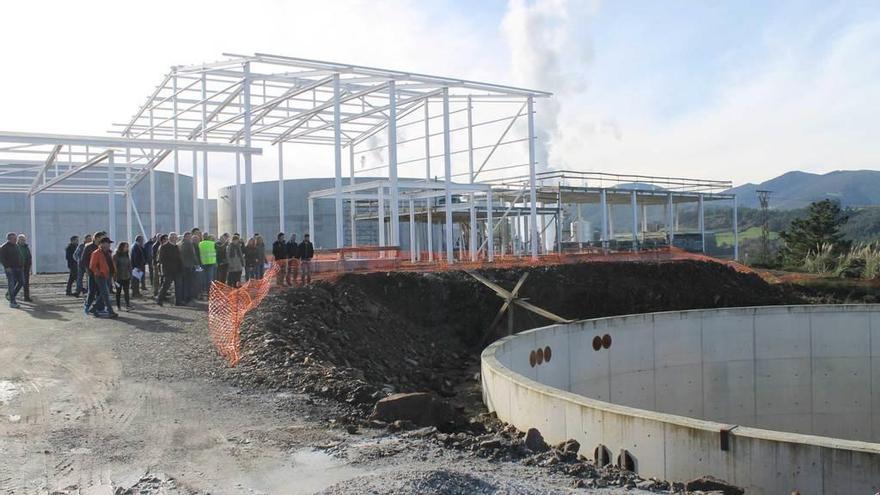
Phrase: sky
(743, 91)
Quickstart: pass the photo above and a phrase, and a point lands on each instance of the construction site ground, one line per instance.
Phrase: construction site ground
(143, 404)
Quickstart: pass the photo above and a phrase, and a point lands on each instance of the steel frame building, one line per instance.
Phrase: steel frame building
(230, 106)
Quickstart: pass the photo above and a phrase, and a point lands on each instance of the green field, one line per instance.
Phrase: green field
(725, 238)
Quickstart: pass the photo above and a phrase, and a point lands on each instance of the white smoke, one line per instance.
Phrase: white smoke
(551, 49)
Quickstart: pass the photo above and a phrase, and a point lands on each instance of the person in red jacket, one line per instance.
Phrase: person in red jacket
(101, 266)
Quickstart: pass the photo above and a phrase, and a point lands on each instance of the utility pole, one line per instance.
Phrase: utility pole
(764, 200)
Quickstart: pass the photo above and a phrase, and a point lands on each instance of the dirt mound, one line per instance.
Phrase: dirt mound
(366, 336)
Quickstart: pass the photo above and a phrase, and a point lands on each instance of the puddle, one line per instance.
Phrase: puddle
(8, 391)
(305, 472)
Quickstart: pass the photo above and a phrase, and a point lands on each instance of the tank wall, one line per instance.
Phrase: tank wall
(670, 382)
(60, 216)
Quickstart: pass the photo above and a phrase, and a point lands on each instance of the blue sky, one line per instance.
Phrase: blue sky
(739, 90)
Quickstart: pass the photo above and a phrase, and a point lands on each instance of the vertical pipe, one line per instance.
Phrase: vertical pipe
(281, 186)
(312, 220)
(392, 164)
(176, 187)
(206, 218)
(603, 204)
(128, 198)
(195, 190)
(153, 226)
(473, 208)
(635, 220)
(735, 230)
(490, 228)
(352, 208)
(337, 160)
(380, 215)
(412, 231)
(559, 219)
(238, 221)
(429, 202)
(533, 194)
(33, 212)
(702, 225)
(447, 175)
(670, 227)
(111, 197)
(248, 178)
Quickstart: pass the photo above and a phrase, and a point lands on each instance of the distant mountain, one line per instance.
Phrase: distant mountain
(798, 189)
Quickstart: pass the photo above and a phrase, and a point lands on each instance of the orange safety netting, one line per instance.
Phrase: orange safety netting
(227, 307)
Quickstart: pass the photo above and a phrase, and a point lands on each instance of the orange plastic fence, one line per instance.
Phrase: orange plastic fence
(227, 307)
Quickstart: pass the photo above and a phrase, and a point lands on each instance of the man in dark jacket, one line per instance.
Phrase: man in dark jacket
(72, 265)
(222, 262)
(306, 253)
(148, 261)
(80, 269)
(156, 279)
(171, 267)
(293, 260)
(188, 273)
(10, 258)
(139, 262)
(279, 252)
(27, 262)
(85, 259)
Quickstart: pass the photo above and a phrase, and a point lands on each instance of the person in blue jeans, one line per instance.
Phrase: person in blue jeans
(10, 258)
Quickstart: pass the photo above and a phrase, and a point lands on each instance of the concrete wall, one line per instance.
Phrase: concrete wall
(670, 382)
(60, 216)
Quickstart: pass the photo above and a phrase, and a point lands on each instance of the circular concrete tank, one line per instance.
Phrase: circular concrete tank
(773, 399)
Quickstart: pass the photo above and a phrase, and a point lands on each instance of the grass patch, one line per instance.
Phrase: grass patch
(725, 237)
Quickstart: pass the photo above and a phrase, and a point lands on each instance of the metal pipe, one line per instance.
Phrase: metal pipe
(392, 163)
(702, 224)
(352, 208)
(735, 229)
(490, 229)
(176, 187)
(248, 178)
(206, 220)
(533, 195)
(111, 197)
(430, 201)
(447, 176)
(337, 159)
(281, 187)
(635, 220)
(473, 209)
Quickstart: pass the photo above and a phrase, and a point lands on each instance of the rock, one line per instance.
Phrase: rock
(351, 429)
(712, 484)
(570, 446)
(491, 444)
(420, 408)
(534, 441)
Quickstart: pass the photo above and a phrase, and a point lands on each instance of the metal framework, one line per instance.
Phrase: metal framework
(374, 113)
(433, 149)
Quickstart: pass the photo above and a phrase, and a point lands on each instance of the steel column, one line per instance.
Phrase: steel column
(702, 224)
(111, 197)
(380, 215)
(176, 154)
(337, 159)
(447, 173)
(603, 204)
(392, 164)
(533, 194)
(352, 208)
(195, 191)
(246, 130)
(412, 231)
(670, 227)
(635, 220)
(735, 229)
(153, 225)
(281, 186)
(312, 220)
(473, 209)
(206, 220)
(238, 202)
(490, 228)
(429, 205)
(33, 212)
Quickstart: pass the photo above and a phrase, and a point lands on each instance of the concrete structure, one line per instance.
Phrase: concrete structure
(58, 216)
(682, 394)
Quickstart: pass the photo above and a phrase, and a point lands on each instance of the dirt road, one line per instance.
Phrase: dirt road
(92, 405)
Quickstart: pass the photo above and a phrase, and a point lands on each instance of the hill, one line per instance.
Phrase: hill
(797, 189)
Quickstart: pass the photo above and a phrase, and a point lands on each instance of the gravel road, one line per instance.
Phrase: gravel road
(142, 404)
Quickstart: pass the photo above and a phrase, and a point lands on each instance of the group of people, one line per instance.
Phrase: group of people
(188, 262)
(16, 258)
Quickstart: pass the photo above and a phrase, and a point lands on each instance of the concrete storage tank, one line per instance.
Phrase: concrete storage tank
(772, 399)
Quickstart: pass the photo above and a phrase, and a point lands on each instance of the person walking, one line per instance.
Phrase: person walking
(27, 262)
(279, 252)
(101, 268)
(208, 256)
(292, 260)
(171, 268)
(188, 258)
(85, 261)
(72, 268)
(157, 276)
(10, 258)
(222, 265)
(261, 256)
(235, 261)
(123, 267)
(80, 272)
(306, 253)
(139, 263)
(250, 259)
(148, 262)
